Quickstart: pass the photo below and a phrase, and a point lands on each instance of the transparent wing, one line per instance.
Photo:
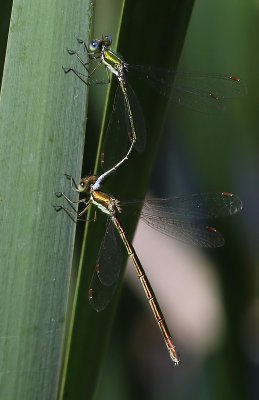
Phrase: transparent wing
(199, 91)
(99, 294)
(116, 141)
(177, 216)
(201, 205)
(138, 118)
(104, 280)
(187, 232)
(119, 132)
(110, 256)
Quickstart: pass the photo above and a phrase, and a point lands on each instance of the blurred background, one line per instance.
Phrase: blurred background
(210, 298)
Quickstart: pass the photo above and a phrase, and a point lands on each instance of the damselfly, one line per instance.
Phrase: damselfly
(200, 91)
(115, 64)
(176, 217)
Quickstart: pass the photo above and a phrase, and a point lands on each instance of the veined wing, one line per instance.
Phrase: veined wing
(199, 91)
(201, 205)
(187, 232)
(119, 131)
(104, 280)
(190, 206)
(99, 294)
(178, 216)
(110, 256)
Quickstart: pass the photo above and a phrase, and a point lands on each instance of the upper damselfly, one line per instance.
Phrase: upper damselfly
(206, 92)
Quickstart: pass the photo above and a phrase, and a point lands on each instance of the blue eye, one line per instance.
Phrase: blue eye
(94, 45)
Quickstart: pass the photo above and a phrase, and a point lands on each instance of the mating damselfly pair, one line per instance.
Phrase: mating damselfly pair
(179, 217)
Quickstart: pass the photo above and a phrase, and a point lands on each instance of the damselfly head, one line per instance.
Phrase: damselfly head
(97, 44)
(85, 183)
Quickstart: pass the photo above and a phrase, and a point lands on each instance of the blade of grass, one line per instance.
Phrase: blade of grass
(42, 122)
(90, 331)
(6, 7)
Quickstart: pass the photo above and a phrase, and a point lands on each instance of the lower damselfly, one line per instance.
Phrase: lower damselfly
(206, 92)
(178, 217)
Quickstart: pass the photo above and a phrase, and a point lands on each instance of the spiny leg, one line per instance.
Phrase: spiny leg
(87, 79)
(71, 202)
(84, 63)
(72, 182)
(87, 203)
(81, 76)
(84, 78)
(69, 213)
(81, 41)
(85, 210)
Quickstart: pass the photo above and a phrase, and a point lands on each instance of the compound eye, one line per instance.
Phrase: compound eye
(82, 186)
(107, 40)
(94, 45)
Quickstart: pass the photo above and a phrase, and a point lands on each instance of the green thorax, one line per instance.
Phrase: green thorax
(112, 59)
